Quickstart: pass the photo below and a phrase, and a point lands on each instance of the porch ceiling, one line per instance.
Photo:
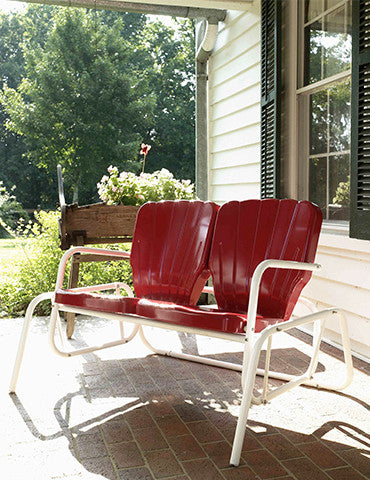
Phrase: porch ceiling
(181, 8)
(212, 4)
(223, 4)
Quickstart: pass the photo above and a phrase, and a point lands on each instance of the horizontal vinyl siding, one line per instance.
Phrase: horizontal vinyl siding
(232, 175)
(226, 193)
(234, 100)
(238, 102)
(237, 156)
(344, 281)
(236, 138)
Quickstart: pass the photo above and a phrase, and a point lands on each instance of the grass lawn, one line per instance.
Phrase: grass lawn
(9, 248)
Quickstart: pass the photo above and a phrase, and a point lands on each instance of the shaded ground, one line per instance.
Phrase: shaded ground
(125, 414)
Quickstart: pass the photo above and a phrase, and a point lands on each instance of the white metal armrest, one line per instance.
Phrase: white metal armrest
(97, 251)
(256, 281)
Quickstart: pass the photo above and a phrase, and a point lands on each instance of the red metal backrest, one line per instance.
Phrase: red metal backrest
(248, 232)
(170, 250)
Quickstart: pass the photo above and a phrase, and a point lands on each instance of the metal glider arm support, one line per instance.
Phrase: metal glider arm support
(255, 341)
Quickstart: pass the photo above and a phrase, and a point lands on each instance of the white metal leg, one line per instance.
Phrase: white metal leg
(80, 351)
(53, 325)
(267, 368)
(347, 355)
(252, 353)
(318, 331)
(22, 341)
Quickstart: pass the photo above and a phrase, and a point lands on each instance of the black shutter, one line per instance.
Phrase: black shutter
(270, 97)
(360, 138)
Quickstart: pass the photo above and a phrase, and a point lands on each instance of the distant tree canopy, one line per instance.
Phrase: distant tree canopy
(84, 88)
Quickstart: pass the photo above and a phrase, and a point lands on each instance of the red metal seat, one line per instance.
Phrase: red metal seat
(169, 258)
(199, 317)
(252, 231)
(97, 302)
(170, 250)
(247, 233)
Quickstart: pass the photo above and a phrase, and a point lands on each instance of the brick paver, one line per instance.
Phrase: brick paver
(124, 414)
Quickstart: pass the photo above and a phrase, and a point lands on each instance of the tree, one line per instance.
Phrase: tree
(90, 87)
(173, 81)
(79, 104)
(13, 158)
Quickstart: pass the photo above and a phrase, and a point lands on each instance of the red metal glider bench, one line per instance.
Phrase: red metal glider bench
(259, 253)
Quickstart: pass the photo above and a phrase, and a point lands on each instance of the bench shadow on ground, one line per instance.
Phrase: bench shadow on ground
(177, 418)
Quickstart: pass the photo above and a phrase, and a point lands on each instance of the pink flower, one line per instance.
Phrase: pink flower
(145, 149)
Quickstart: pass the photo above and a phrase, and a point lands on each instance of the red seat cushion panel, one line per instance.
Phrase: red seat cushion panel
(212, 319)
(98, 302)
(170, 250)
(249, 232)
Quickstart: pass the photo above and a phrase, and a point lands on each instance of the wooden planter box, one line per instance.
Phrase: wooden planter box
(96, 223)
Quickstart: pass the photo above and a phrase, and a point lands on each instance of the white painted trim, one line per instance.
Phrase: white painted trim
(227, 4)
(325, 82)
(341, 243)
(291, 175)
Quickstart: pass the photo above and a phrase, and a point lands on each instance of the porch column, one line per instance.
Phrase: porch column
(201, 131)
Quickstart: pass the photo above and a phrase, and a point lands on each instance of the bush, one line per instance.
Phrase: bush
(129, 189)
(12, 214)
(36, 271)
(342, 194)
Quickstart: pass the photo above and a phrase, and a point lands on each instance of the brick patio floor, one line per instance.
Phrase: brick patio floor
(124, 414)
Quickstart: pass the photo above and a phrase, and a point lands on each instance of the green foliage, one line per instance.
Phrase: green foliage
(11, 212)
(173, 81)
(129, 189)
(15, 28)
(84, 88)
(35, 271)
(342, 194)
(79, 104)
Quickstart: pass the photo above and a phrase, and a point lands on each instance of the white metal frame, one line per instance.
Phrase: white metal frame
(253, 342)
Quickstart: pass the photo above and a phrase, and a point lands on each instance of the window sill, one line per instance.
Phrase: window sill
(335, 235)
(336, 228)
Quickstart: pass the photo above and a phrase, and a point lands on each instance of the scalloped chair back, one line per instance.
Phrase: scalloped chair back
(170, 250)
(248, 232)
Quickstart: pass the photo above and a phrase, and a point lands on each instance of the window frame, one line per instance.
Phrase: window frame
(293, 179)
(302, 98)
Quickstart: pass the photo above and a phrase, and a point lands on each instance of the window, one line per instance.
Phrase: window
(320, 104)
(324, 93)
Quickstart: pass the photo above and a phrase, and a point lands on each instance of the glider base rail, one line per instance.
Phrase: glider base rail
(305, 379)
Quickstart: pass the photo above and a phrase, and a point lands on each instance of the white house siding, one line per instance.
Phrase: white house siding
(344, 281)
(234, 98)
